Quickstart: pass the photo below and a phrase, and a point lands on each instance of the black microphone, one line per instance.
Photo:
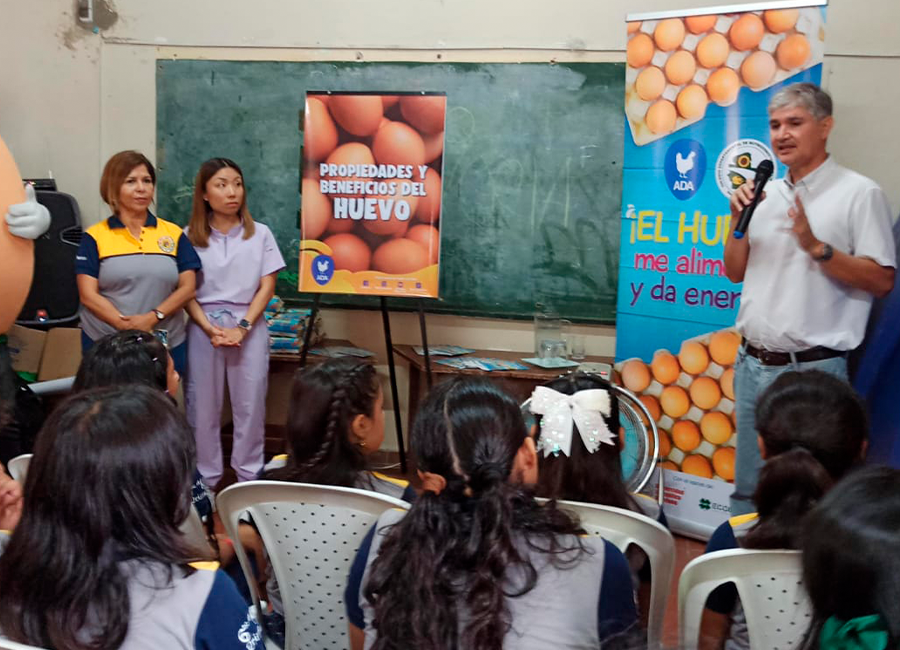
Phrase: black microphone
(763, 173)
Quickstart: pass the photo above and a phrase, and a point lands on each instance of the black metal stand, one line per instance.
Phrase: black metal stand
(389, 345)
(425, 342)
(307, 335)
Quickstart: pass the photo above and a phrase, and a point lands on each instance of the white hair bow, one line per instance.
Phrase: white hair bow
(585, 409)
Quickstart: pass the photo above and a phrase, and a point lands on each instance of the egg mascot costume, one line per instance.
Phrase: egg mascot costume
(24, 220)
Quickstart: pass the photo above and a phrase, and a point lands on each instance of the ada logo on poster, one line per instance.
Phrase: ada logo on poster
(322, 269)
(685, 168)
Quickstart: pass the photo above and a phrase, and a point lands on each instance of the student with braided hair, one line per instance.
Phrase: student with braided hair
(335, 421)
(477, 562)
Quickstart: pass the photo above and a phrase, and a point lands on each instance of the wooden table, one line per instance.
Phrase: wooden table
(519, 383)
(290, 361)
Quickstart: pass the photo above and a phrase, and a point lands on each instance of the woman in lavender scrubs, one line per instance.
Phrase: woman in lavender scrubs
(227, 336)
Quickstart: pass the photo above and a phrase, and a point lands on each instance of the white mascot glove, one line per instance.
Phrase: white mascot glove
(28, 220)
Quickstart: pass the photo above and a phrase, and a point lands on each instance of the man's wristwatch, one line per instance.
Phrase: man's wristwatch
(245, 325)
(827, 253)
(159, 315)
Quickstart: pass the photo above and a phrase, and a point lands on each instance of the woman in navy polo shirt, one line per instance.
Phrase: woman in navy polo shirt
(135, 271)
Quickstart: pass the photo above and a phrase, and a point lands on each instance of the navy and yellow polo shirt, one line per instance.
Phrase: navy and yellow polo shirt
(135, 274)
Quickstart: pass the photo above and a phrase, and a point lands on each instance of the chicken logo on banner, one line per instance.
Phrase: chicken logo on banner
(685, 168)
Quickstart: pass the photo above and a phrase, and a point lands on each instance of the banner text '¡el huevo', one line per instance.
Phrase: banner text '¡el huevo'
(648, 226)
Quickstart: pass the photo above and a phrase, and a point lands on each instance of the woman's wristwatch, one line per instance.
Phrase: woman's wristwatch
(245, 325)
(159, 315)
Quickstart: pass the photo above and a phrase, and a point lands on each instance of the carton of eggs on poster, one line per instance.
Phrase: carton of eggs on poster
(690, 394)
(676, 67)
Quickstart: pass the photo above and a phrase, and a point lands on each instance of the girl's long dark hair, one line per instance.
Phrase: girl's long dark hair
(109, 482)
(125, 357)
(814, 427)
(324, 401)
(583, 476)
(851, 552)
(447, 559)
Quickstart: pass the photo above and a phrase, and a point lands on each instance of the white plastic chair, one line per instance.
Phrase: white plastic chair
(12, 645)
(623, 528)
(18, 468)
(770, 588)
(311, 534)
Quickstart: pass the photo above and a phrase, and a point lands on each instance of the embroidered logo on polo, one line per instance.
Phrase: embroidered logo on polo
(166, 244)
(685, 168)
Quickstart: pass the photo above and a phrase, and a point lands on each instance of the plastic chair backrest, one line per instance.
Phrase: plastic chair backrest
(624, 528)
(12, 645)
(311, 534)
(18, 467)
(770, 588)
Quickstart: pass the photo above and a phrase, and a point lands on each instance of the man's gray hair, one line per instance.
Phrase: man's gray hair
(805, 95)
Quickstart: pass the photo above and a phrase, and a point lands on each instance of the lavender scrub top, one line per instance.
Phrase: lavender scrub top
(233, 266)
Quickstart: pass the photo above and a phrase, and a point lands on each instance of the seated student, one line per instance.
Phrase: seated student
(97, 559)
(136, 357)
(477, 563)
(588, 468)
(851, 560)
(812, 431)
(335, 421)
(585, 468)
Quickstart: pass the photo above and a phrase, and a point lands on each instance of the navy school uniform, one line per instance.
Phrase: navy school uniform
(724, 598)
(200, 610)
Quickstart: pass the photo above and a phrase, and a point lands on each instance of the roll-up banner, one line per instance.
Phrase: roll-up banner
(697, 88)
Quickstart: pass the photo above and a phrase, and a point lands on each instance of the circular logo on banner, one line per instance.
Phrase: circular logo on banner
(322, 269)
(685, 168)
(738, 162)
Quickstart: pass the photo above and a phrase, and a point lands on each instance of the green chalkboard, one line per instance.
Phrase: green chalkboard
(532, 178)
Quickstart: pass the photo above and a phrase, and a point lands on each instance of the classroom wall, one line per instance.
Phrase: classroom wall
(71, 96)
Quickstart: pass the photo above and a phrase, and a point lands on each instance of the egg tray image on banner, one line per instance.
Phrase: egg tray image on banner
(691, 396)
(371, 193)
(677, 66)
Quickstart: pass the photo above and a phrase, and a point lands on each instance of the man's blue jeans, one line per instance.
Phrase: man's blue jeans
(751, 378)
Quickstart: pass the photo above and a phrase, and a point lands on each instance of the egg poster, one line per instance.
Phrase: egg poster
(371, 193)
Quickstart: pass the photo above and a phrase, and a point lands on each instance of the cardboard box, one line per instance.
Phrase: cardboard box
(62, 354)
(25, 348)
(49, 355)
(694, 506)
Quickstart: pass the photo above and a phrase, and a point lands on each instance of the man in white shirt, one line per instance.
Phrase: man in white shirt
(818, 249)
